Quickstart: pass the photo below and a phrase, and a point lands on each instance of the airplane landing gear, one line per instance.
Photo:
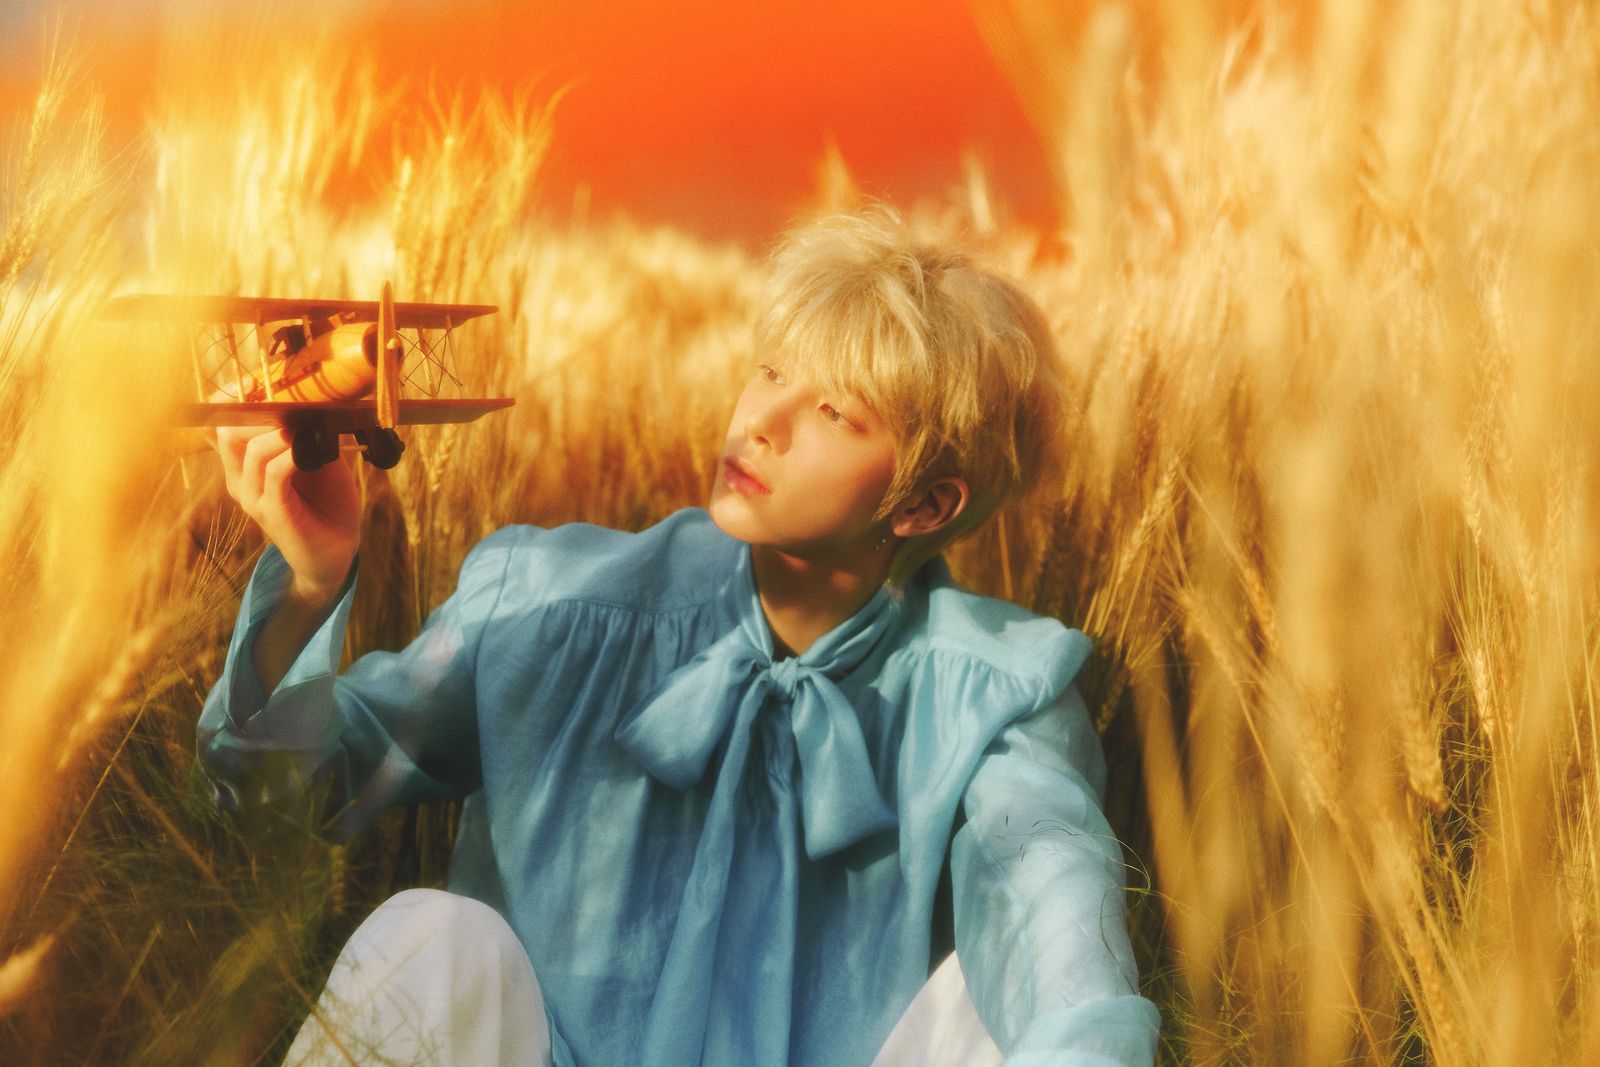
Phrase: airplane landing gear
(313, 446)
(381, 447)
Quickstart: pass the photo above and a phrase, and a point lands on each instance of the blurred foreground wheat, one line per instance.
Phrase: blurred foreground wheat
(1326, 291)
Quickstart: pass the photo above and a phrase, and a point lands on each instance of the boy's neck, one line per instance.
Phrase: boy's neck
(803, 599)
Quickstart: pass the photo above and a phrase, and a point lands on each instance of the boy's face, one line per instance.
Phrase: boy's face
(801, 471)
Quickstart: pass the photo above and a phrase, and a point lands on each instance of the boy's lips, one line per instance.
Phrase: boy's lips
(741, 477)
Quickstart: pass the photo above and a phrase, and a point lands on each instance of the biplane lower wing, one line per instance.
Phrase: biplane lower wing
(340, 416)
(316, 427)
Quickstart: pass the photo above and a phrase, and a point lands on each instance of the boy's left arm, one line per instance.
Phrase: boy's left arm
(1038, 876)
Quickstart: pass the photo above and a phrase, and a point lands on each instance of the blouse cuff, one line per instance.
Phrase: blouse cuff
(319, 658)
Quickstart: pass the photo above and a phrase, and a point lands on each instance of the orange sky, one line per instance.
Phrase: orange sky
(707, 114)
(710, 115)
(718, 113)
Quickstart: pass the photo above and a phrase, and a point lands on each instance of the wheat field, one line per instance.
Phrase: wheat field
(1328, 291)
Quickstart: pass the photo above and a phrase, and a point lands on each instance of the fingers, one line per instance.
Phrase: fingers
(275, 487)
(246, 473)
(261, 450)
(313, 517)
(229, 441)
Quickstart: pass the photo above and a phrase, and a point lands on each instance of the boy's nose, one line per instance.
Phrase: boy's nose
(764, 423)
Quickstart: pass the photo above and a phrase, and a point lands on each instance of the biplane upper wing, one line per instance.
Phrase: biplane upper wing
(146, 307)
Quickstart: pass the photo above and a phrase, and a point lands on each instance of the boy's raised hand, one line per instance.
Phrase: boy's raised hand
(314, 517)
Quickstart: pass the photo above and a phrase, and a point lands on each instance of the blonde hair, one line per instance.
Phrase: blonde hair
(958, 361)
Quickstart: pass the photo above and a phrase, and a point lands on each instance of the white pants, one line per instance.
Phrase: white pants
(435, 978)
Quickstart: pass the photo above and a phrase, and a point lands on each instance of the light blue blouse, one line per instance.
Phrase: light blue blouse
(710, 856)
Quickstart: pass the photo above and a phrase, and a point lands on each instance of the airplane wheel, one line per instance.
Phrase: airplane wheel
(314, 446)
(383, 447)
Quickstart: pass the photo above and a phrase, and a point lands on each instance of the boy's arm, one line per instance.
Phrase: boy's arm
(1040, 927)
(396, 728)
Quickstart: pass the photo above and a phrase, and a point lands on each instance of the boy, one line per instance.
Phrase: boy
(713, 767)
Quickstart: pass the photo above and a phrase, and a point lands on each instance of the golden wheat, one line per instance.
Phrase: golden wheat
(1324, 294)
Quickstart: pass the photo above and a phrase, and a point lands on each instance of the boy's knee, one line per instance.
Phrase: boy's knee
(429, 977)
(437, 906)
(432, 920)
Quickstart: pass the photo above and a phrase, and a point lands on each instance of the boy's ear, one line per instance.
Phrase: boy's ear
(932, 508)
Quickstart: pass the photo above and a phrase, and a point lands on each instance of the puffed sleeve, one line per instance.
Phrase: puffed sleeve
(395, 728)
(1040, 926)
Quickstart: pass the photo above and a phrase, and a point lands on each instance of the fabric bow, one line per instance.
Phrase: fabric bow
(722, 690)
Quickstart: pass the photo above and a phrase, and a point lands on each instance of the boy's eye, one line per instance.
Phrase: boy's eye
(769, 374)
(834, 415)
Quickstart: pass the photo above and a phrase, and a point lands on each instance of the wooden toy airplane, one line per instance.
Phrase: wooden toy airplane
(313, 374)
